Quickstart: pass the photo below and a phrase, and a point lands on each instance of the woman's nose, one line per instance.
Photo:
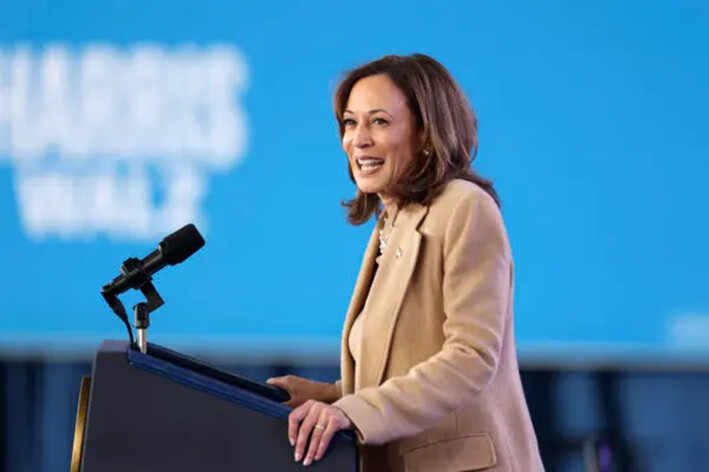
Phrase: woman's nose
(362, 137)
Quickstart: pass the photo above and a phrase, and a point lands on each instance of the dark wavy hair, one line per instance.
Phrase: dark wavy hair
(449, 127)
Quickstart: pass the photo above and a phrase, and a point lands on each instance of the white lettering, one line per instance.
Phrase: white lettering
(70, 120)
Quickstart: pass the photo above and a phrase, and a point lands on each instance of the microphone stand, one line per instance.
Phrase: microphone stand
(142, 310)
(142, 322)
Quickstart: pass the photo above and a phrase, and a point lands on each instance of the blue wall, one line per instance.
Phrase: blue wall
(121, 121)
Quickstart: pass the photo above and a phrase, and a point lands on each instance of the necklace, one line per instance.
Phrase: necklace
(384, 237)
(385, 232)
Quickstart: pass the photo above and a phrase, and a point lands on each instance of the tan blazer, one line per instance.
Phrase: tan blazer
(437, 382)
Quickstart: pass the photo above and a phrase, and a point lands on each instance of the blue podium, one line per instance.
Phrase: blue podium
(163, 411)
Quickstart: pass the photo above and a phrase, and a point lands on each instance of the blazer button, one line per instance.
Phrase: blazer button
(398, 252)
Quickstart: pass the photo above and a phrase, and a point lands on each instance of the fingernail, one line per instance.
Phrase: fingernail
(307, 461)
(297, 457)
(292, 441)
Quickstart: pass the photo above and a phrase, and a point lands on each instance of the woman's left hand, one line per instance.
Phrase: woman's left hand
(317, 421)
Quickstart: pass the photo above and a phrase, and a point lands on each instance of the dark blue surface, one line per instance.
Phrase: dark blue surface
(188, 371)
(206, 384)
(175, 360)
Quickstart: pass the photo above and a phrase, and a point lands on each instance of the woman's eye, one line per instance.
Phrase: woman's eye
(347, 122)
(379, 121)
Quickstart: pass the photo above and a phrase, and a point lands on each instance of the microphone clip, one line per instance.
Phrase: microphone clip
(134, 270)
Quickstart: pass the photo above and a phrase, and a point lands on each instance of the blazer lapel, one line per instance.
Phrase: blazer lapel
(387, 294)
(364, 281)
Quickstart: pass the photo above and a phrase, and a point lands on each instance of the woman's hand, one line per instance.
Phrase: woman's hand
(302, 390)
(317, 421)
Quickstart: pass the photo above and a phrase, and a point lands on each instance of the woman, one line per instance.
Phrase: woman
(430, 380)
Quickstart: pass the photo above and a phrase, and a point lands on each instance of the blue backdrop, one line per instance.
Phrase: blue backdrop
(119, 121)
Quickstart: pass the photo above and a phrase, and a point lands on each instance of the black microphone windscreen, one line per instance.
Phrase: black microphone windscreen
(181, 244)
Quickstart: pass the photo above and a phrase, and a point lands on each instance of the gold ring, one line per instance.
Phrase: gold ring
(319, 426)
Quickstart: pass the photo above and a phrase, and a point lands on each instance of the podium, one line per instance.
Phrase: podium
(163, 411)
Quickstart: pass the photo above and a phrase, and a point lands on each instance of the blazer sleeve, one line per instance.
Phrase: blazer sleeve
(476, 296)
(338, 386)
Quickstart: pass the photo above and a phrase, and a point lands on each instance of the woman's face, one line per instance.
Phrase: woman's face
(379, 133)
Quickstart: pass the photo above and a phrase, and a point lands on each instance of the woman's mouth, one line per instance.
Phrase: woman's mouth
(368, 165)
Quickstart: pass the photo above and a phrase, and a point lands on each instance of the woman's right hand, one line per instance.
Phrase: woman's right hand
(302, 390)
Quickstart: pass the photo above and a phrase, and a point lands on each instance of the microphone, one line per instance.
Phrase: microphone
(172, 250)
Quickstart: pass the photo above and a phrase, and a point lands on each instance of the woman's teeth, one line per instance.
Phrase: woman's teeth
(370, 164)
(371, 167)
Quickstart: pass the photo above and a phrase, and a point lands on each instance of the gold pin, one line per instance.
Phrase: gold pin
(398, 252)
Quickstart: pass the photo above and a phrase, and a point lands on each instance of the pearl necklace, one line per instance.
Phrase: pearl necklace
(385, 232)
(384, 238)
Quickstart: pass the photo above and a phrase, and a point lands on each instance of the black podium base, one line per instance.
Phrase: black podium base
(148, 413)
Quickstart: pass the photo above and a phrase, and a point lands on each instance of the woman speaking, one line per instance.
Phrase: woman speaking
(430, 380)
